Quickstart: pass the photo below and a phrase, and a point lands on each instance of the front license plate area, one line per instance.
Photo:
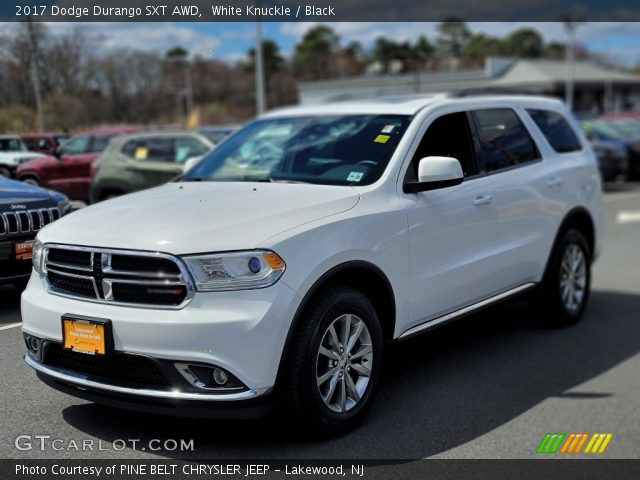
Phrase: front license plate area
(23, 250)
(86, 335)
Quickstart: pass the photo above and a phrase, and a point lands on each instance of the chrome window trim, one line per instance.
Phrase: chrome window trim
(183, 279)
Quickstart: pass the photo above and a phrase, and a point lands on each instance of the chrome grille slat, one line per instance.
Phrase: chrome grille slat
(166, 290)
(26, 221)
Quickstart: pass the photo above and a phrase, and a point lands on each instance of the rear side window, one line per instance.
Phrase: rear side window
(152, 149)
(556, 130)
(99, 143)
(504, 140)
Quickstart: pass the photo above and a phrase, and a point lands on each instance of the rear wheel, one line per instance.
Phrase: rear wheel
(564, 292)
(335, 364)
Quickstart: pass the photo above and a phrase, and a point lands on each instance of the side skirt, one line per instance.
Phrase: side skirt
(434, 322)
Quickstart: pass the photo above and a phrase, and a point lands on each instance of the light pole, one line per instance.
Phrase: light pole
(260, 105)
(570, 26)
(35, 77)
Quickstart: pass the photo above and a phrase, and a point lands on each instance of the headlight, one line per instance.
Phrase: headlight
(36, 257)
(235, 271)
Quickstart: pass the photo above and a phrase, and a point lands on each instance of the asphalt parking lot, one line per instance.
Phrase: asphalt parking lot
(488, 386)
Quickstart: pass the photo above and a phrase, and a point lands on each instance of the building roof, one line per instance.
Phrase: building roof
(547, 72)
(498, 73)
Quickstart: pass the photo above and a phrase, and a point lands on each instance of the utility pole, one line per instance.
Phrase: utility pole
(570, 26)
(259, 61)
(35, 77)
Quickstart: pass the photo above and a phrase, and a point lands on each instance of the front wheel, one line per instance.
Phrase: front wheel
(562, 296)
(336, 361)
(31, 181)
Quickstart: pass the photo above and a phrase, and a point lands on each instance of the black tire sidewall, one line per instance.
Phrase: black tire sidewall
(551, 295)
(329, 306)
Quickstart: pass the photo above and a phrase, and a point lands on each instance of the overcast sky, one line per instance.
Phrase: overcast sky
(230, 41)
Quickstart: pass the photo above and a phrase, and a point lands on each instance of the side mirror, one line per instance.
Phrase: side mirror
(435, 173)
(57, 152)
(191, 162)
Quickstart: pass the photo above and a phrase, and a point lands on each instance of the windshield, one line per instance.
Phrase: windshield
(330, 150)
(12, 145)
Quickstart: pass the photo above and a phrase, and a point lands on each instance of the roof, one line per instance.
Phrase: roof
(410, 105)
(541, 72)
(399, 105)
(113, 130)
(160, 133)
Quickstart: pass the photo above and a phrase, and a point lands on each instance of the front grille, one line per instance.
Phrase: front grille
(116, 276)
(149, 295)
(82, 287)
(26, 221)
(119, 368)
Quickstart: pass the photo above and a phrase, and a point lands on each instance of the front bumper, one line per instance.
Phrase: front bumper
(243, 405)
(12, 270)
(242, 332)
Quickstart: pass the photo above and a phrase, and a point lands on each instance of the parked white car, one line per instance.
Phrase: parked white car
(13, 152)
(287, 258)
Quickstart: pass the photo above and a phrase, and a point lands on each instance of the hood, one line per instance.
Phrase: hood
(189, 217)
(14, 192)
(37, 161)
(18, 157)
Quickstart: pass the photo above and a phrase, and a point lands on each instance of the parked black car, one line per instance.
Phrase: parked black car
(24, 209)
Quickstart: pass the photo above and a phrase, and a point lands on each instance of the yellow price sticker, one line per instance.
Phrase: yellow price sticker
(141, 153)
(381, 138)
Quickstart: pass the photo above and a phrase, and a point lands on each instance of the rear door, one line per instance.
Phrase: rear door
(524, 193)
(452, 231)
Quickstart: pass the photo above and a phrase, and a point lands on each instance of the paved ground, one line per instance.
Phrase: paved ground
(488, 386)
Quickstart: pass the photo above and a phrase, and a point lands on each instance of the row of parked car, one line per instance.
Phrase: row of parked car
(102, 163)
(98, 164)
(615, 138)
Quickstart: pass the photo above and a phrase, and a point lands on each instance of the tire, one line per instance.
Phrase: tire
(312, 373)
(5, 172)
(562, 296)
(31, 181)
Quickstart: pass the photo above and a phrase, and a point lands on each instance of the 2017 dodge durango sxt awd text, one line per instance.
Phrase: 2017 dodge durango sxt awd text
(281, 264)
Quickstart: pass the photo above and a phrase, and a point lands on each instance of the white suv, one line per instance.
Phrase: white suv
(282, 263)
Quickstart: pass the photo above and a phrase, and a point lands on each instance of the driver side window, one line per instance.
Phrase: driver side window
(447, 136)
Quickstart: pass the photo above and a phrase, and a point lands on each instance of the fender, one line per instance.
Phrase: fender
(317, 285)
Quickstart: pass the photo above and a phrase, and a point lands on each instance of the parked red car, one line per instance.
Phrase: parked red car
(46, 142)
(68, 170)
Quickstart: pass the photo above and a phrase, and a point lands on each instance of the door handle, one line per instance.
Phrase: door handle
(554, 182)
(482, 200)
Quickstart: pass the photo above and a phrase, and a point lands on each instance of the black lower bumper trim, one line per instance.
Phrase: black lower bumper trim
(240, 409)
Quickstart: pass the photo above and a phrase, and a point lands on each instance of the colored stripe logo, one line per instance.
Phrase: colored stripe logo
(573, 443)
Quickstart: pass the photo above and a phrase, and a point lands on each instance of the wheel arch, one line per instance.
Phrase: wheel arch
(359, 275)
(580, 219)
(29, 174)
